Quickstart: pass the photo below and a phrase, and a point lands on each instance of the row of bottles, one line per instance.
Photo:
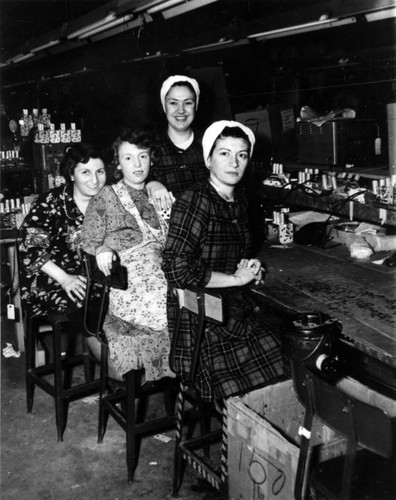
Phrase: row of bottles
(315, 181)
(45, 131)
(54, 136)
(29, 121)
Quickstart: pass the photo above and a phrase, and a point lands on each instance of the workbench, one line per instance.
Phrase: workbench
(361, 294)
(332, 204)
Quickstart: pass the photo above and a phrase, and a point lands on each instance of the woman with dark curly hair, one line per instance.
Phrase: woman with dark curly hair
(122, 222)
(51, 276)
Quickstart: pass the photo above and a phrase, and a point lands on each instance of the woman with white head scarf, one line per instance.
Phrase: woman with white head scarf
(181, 164)
(208, 247)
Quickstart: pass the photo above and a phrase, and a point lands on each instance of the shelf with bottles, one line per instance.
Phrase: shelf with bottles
(14, 210)
(44, 131)
(11, 160)
(371, 200)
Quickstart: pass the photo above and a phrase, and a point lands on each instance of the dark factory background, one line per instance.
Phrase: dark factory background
(105, 82)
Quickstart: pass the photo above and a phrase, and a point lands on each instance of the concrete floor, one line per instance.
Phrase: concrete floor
(35, 466)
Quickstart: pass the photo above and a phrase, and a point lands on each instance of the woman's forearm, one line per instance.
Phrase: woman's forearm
(242, 276)
(54, 272)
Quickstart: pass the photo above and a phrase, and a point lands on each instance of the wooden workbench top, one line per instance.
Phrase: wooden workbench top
(360, 294)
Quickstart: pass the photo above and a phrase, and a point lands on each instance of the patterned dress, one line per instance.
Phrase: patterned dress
(179, 169)
(49, 232)
(122, 219)
(206, 234)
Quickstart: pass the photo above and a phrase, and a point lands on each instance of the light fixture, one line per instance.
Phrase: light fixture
(185, 7)
(20, 57)
(143, 6)
(148, 57)
(216, 46)
(380, 14)
(163, 5)
(142, 19)
(303, 28)
(45, 46)
(75, 34)
(109, 25)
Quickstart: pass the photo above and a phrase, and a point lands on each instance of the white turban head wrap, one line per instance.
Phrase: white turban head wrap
(213, 132)
(176, 79)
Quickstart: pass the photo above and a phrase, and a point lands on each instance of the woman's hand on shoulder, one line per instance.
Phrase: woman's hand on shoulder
(160, 196)
(105, 261)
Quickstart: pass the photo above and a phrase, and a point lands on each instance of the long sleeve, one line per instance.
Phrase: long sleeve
(183, 263)
(50, 231)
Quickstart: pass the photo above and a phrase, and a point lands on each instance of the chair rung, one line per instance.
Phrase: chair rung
(202, 468)
(160, 423)
(197, 442)
(50, 367)
(70, 392)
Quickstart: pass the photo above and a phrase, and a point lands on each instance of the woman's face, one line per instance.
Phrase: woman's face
(90, 177)
(135, 164)
(228, 161)
(180, 107)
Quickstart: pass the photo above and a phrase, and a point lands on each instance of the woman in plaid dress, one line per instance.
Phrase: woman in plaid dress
(180, 164)
(208, 246)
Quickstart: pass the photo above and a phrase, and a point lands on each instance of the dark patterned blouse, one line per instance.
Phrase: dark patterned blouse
(179, 169)
(50, 231)
(206, 234)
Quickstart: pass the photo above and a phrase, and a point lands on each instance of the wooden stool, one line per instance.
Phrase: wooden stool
(124, 398)
(59, 369)
(191, 449)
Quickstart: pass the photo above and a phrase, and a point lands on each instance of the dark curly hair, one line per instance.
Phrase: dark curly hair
(77, 153)
(142, 139)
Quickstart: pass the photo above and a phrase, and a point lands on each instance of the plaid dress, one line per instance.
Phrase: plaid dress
(179, 169)
(208, 234)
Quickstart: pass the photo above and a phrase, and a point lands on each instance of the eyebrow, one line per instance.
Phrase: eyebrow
(176, 99)
(228, 149)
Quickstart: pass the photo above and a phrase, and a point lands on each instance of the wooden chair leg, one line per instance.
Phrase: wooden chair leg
(170, 393)
(224, 450)
(179, 462)
(30, 347)
(130, 416)
(89, 364)
(60, 407)
(103, 412)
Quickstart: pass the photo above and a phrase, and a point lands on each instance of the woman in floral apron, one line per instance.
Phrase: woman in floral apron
(121, 221)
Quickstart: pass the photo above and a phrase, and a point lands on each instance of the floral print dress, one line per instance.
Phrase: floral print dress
(50, 231)
(136, 323)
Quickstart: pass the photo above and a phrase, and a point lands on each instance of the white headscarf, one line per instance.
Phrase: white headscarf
(175, 79)
(214, 130)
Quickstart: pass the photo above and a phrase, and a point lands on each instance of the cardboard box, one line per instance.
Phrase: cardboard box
(263, 440)
(263, 443)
